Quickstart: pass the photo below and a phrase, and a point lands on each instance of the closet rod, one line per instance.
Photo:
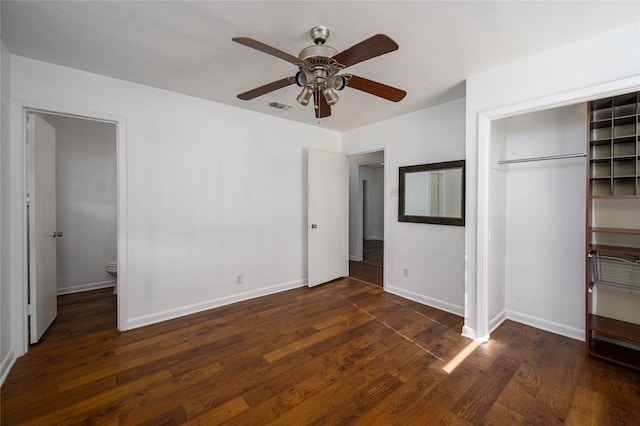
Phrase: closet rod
(550, 157)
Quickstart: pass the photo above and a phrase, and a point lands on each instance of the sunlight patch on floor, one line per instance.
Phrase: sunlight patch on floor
(461, 356)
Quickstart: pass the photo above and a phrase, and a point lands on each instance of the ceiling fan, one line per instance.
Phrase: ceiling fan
(319, 66)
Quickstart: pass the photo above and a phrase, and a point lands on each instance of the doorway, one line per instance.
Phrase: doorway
(84, 204)
(366, 217)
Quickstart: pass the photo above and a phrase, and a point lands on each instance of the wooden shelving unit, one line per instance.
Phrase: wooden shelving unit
(613, 252)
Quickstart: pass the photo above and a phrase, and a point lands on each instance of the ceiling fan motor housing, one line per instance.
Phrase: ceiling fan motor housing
(318, 66)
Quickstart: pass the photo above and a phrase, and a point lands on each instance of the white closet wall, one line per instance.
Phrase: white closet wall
(537, 271)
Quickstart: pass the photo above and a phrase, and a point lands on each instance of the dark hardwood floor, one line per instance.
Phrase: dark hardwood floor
(373, 252)
(343, 352)
(370, 269)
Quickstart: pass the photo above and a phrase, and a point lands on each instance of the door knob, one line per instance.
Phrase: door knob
(314, 226)
(57, 234)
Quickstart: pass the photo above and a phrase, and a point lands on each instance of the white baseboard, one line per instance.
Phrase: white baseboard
(6, 365)
(425, 300)
(141, 321)
(86, 287)
(496, 321)
(550, 326)
(468, 332)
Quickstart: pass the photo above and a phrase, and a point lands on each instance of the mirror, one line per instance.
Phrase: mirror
(432, 193)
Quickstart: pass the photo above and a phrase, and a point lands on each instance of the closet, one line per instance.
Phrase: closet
(536, 220)
(613, 230)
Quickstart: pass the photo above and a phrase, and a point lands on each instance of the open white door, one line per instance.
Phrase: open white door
(41, 202)
(327, 217)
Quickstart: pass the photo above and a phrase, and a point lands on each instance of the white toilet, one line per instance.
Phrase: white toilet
(112, 269)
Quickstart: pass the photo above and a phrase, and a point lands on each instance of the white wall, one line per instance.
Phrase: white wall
(543, 222)
(212, 191)
(6, 346)
(591, 68)
(375, 202)
(356, 233)
(85, 202)
(432, 254)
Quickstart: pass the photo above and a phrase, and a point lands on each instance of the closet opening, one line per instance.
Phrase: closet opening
(536, 215)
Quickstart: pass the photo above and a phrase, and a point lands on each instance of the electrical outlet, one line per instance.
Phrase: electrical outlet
(239, 279)
(405, 272)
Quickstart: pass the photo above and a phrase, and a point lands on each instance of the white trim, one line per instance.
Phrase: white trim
(6, 364)
(169, 314)
(497, 321)
(19, 108)
(482, 232)
(425, 300)
(469, 333)
(537, 322)
(386, 275)
(543, 324)
(85, 287)
(587, 94)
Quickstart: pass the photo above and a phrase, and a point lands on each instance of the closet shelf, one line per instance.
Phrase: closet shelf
(614, 353)
(616, 231)
(621, 197)
(607, 159)
(615, 328)
(601, 248)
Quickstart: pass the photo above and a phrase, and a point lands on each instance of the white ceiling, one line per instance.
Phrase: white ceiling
(186, 46)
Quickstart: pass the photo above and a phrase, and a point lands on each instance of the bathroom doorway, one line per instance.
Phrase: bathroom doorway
(84, 205)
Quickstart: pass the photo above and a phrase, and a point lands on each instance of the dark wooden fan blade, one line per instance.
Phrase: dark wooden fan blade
(270, 87)
(375, 88)
(374, 46)
(323, 109)
(258, 45)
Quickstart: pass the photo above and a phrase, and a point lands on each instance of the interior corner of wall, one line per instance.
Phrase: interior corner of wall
(469, 332)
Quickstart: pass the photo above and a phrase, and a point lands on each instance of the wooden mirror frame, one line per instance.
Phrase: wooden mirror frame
(439, 220)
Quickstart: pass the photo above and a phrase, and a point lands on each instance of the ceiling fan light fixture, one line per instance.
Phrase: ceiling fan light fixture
(330, 95)
(305, 95)
(337, 82)
(304, 78)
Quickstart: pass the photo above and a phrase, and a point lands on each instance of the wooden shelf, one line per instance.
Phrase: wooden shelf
(613, 174)
(615, 197)
(615, 328)
(601, 248)
(614, 353)
(616, 231)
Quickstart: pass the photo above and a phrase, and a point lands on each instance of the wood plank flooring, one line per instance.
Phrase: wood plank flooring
(370, 269)
(340, 353)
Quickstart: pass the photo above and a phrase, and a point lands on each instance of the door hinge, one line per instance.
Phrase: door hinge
(30, 309)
